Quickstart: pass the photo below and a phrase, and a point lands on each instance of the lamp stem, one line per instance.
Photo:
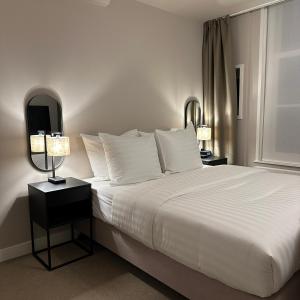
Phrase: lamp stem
(53, 168)
(46, 155)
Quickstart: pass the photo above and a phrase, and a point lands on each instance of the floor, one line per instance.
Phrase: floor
(101, 276)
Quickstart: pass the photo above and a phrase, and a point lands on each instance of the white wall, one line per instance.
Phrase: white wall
(116, 68)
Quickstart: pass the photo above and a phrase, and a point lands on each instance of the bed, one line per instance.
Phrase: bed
(225, 232)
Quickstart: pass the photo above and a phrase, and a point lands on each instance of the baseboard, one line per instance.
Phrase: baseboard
(25, 248)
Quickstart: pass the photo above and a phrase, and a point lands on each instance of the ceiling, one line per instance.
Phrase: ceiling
(203, 9)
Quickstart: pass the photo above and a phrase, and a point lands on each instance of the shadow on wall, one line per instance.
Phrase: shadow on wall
(15, 173)
(131, 100)
(39, 90)
(135, 103)
(15, 225)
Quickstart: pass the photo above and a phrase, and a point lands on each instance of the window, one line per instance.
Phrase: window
(280, 122)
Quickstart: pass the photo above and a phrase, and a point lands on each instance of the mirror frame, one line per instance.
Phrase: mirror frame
(27, 102)
(197, 109)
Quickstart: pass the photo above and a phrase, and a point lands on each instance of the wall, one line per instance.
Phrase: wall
(116, 68)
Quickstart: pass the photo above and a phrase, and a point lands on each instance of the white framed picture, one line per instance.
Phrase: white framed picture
(239, 72)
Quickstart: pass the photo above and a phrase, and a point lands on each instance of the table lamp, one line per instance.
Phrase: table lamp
(38, 144)
(204, 134)
(57, 146)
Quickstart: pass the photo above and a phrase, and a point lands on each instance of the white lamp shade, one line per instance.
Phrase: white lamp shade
(204, 133)
(58, 146)
(37, 143)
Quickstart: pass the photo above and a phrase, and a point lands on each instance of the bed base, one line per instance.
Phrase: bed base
(182, 279)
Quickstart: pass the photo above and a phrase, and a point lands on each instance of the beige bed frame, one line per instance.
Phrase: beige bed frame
(184, 280)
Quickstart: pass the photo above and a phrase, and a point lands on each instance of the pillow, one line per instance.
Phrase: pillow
(179, 149)
(131, 159)
(143, 133)
(96, 155)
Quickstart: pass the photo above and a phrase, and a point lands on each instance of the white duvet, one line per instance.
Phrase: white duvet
(238, 225)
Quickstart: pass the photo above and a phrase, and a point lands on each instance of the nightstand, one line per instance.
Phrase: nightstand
(214, 161)
(53, 205)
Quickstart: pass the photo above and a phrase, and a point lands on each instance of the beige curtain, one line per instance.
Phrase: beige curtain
(219, 89)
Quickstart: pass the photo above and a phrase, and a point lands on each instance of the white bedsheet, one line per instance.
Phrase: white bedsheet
(102, 197)
(238, 225)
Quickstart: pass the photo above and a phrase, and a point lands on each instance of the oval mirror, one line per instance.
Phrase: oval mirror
(192, 112)
(44, 117)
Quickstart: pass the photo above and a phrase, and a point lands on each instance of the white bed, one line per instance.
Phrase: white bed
(240, 226)
(102, 198)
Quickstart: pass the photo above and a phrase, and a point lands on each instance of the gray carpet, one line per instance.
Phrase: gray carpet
(101, 276)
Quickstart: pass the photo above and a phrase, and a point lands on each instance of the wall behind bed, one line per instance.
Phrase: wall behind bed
(116, 68)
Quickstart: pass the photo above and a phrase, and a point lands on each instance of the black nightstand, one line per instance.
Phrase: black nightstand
(214, 161)
(52, 205)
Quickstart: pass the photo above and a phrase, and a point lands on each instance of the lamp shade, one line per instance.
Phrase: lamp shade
(58, 146)
(204, 133)
(37, 143)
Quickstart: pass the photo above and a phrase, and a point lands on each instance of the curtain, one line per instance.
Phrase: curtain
(219, 88)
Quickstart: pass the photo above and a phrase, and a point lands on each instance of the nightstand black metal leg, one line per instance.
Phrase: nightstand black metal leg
(72, 231)
(49, 250)
(32, 236)
(91, 236)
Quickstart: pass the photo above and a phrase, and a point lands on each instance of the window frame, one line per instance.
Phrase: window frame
(261, 96)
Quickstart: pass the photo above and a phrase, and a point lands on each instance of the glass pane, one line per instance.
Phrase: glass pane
(282, 95)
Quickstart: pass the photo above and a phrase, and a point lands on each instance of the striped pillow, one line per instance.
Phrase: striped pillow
(95, 153)
(178, 150)
(131, 159)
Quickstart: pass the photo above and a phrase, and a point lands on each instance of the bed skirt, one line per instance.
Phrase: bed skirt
(184, 280)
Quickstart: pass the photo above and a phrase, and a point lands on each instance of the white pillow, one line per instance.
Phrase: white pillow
(131, 159)
(143, 133)
(96, 155)
(179, 149)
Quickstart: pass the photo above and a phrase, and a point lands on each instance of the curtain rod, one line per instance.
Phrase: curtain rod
(270, 3)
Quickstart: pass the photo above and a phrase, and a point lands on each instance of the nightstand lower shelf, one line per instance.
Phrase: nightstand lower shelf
(49, 265)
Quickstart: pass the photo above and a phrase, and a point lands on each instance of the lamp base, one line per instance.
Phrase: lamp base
(56, 180)
(205, 153)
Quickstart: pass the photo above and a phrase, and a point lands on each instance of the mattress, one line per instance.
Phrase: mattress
(102, 197)
(238, 225)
